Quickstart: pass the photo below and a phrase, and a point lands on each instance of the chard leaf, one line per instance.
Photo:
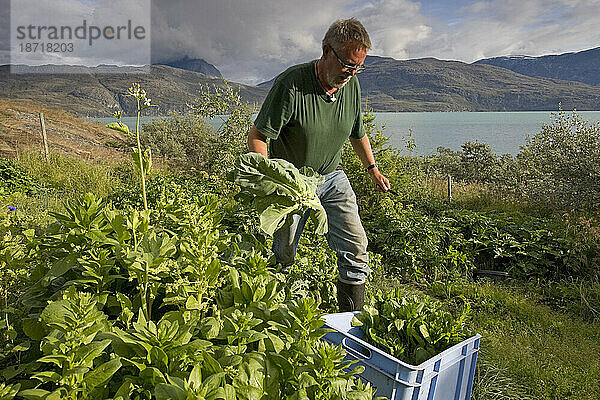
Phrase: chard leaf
(319, 218)
(274, 216)
(279, 190)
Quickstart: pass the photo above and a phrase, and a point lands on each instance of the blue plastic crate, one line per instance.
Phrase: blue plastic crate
(447, 376)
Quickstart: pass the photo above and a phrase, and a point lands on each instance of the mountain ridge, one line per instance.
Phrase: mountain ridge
(100, 95)
(195, 65)
(581, 66)
(425, 84)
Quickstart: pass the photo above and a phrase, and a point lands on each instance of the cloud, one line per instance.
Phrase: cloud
(394, 25)
(86, 17)
(253, 41)
(515, 27)
(246, 40)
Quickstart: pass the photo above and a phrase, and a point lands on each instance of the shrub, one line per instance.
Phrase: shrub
(561, 164)
(474, 163)
(189, 141)
(404, 171)
(230, 139)
(183, 139)
(13, 177)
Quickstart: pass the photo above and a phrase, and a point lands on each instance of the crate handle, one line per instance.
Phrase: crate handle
(364, 352)
(359, 356)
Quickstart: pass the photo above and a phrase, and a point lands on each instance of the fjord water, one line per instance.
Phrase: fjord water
(505, 132)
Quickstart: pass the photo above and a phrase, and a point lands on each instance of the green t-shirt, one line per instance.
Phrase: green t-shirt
(304, 126)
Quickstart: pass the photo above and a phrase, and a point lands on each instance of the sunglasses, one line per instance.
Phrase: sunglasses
(357, 68)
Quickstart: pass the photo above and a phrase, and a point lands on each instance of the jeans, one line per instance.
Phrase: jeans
(346, 235)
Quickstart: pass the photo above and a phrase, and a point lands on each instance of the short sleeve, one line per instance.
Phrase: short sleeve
(276, 111)
(358, 129)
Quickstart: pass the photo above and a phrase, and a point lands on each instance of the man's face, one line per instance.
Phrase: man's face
(351, 54)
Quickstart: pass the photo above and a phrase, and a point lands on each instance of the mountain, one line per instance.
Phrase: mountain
(387, 84)
(195, 65)
(582, 66)
(267, 84)
(430, 84)
(93, 93)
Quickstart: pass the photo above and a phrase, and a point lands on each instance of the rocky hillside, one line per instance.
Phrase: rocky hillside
(387, 85)
(430, 84)
(435, 85)
(100, 94)
(582, 66)
(20, 130)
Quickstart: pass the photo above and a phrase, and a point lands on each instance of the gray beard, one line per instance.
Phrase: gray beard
(337, 85)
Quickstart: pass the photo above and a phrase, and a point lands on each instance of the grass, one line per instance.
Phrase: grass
(63, 178)
(554, 355)
(480, 197)
(70, 176)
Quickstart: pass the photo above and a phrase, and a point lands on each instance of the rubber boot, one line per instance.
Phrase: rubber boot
(350, 297)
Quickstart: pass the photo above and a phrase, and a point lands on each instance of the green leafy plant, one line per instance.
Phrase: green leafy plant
(409, 328)
(279, 190)
(13, 177)
(559, 164)
(80, 363)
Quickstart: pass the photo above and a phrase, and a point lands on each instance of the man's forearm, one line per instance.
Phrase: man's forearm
(362, 148)
(257, 142)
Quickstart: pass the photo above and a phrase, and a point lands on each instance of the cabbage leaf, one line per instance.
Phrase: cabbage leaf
(279, 190)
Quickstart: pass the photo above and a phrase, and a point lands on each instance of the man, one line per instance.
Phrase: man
(310, 111)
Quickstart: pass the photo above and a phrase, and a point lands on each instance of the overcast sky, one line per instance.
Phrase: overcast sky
(252, 41)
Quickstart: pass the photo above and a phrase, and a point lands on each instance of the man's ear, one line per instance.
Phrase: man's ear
(326, 49)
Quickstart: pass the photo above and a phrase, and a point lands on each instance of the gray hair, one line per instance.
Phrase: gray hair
(344, 31)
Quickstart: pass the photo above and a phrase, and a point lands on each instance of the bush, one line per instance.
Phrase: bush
(189, 141)
(561, 164)
(185, 139)
(474, 163)
(14, 177)
(404, 171)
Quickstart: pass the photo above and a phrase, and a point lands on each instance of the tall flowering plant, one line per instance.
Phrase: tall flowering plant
(141, 159)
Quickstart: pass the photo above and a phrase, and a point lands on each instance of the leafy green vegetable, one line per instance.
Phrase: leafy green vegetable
(279, 190)
(409, 328)
(126, 306)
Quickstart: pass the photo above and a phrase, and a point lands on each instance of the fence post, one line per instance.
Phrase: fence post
(449, 188)
(44, 138)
